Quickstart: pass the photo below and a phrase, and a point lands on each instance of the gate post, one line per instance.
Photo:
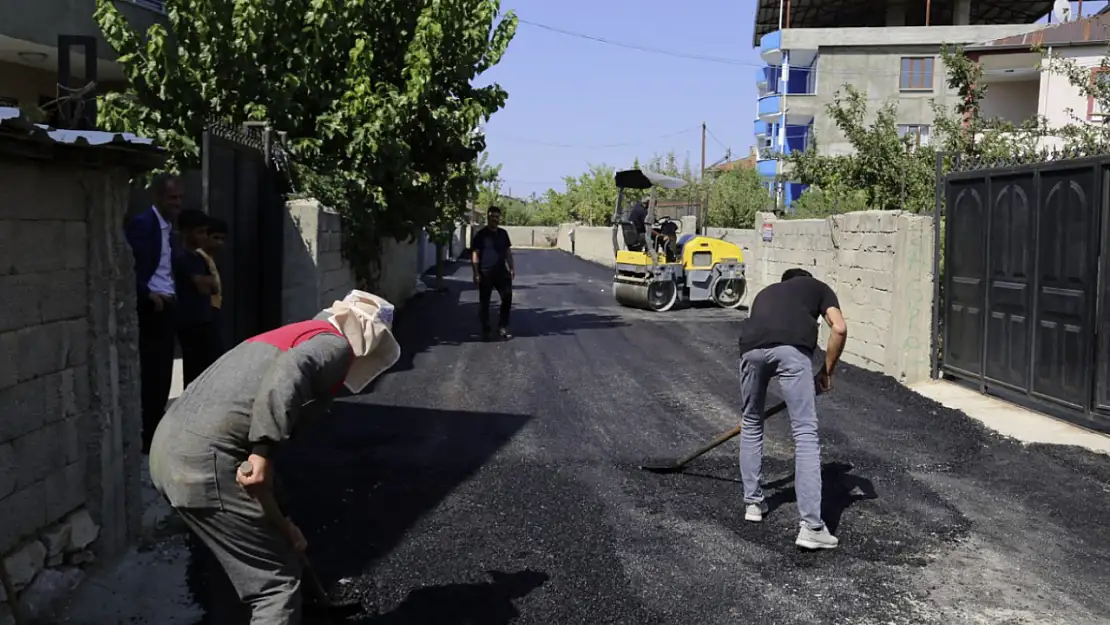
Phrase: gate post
(934, 342)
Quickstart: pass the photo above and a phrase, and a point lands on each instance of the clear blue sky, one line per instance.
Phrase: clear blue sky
(574, 101)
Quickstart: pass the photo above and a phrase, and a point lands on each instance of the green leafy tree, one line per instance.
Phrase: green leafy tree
(735, 196)
(892, 172)
(378, 104)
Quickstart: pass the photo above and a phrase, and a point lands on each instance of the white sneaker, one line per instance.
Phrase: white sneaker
(754, 511)
(816, 539)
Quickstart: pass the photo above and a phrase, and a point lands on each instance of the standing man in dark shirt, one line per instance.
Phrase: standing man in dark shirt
(778, 339)
(150, 235)
(196, 285)
(492, 259)
(638, 218)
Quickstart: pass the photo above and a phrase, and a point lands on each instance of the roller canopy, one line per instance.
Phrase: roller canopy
(639, 179)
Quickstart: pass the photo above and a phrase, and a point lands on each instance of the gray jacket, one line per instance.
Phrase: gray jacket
(249, 401)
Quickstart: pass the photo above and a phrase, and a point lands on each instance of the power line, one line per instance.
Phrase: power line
(701, 57)
(714, 137)
(632, 46)
(604, 145)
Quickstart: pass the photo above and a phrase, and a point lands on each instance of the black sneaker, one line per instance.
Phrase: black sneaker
(485, 334)
(504, 334)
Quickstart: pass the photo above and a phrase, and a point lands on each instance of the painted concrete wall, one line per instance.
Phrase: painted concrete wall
(315, 273)
(1014, 101)
(879, 263)
(1058, 95)
(69, 380)
(533, 236)
(876, 71)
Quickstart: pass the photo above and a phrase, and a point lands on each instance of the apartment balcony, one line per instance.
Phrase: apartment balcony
(761, 128)
(768, 167)
(800, 108)
(761, 77)
(770, 107)
(770, 47)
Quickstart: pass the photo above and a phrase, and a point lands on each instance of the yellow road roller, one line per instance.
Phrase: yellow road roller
(658, 269)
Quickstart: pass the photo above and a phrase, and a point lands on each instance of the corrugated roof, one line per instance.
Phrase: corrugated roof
(863, 13)
(13, 123)
(1094, 29)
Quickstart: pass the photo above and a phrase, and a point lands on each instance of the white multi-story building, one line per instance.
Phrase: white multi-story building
(887, 48)
(1021, 84)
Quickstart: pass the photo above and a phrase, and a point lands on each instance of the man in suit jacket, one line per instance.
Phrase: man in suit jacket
(149, 234)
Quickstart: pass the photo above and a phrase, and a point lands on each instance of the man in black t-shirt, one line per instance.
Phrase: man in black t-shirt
(778, 339)
(638, 218)
(492, 259)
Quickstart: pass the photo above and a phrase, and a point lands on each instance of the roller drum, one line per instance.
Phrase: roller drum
(631, 295)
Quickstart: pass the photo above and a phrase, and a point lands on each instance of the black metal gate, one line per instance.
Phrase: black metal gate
(241, 185)
(1023, 315)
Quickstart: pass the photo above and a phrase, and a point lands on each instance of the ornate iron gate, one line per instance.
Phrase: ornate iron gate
(1023, 314)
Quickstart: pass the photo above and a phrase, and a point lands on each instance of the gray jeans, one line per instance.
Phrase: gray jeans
(794, 370)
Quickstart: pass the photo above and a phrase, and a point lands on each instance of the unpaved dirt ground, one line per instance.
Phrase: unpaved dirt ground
(498, 483)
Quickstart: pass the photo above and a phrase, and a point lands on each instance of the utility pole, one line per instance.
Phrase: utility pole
(699, 227)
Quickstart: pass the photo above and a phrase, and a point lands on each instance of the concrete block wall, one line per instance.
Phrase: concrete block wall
(879, 263)
(533, 236)
(69, 380)
(315, 274)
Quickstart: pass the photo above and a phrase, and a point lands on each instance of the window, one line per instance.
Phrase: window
(917, 74)
(158, 6)
(1096, 111)
(918, 133)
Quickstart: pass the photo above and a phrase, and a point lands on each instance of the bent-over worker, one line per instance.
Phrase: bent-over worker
(243, 408)
(778, 339)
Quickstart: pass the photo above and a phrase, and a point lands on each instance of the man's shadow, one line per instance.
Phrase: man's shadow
(481, 603)
(839, 490)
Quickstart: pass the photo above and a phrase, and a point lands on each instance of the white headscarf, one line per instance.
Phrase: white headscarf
(366, 321)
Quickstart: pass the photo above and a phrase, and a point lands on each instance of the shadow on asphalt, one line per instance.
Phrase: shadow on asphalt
(839, 490)
(440, 318)
(485, 603)
(357, 482)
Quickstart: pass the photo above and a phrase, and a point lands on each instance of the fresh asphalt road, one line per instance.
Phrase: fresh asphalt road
(497, 483)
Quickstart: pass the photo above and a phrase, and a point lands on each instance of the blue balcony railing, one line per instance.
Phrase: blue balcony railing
(771, 42)
(767, 168)
(770, 106)
(761, 128)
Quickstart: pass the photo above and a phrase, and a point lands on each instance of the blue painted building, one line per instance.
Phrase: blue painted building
(779, 128)
(890, 48)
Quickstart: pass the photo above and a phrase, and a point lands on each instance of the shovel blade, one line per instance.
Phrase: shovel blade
(668, 469)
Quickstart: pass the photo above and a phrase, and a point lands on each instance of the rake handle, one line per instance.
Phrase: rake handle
(727, 436)
(278, 519)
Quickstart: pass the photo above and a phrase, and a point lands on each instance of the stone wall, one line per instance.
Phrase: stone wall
(315, 273)
(879, 263)
(69, 380)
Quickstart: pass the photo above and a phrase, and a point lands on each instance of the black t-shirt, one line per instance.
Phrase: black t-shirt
(786, 313)
(492, 247)
(637, 216)
(193, 307)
